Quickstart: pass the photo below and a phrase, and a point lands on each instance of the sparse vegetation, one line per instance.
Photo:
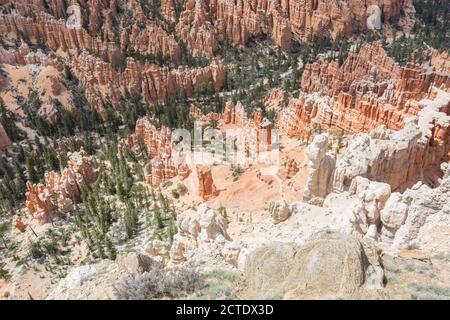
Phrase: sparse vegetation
(157, 284)
(121, 210)
(236, 170)
(429, 292)
(4, 274)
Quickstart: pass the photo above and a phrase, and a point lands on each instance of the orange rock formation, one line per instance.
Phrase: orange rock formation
(368, 90)
(158, 143)
(283, 20)
(206, 188)
(59, 191)
(153, 83)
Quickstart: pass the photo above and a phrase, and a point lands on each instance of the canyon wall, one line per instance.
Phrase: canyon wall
(50, 83)
(206, 22)
(398, 158)
(159, 146)
(24, 56)
(201, 25)
(47, 24)
(367, 91)
(155, 84)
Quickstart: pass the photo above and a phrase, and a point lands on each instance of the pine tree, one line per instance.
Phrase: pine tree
(4, 228)
(31, 171)
(20, 186)
(112, 253)
(157, 217)
(171, 229)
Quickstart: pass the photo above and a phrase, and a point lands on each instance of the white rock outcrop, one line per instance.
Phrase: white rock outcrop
(358, 211)
(416, 218)
(413, 218)
(202, 236)
(280, 211)
(374, 17)
(320, 168)
(398, 158)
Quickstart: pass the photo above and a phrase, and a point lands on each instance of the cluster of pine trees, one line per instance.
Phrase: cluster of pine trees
(120, 205)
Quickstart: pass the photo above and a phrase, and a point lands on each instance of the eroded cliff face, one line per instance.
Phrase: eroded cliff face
(406, 109)
(398, 158)
(53, 33)
(106, 27)
(155, 84)
(196, 30)
(60, 191)
(24, 55)
(201, 25)
(371, 70)
(158, 144)
(368, 90)
(211, 21)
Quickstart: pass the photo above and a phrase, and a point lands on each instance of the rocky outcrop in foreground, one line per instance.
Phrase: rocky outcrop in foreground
(419, 217)
(416, 218)
(202, 234)
(329, 265)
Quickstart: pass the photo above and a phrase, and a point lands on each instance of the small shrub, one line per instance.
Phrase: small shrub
(36, 251)
(429, 292)
(175, 193)
(272, 296)
(182, 189)
(220, 284)
(410, 267)
(167, 184)
(236, 171)
(442, 256)
(391, 268)
(157, 284)
(4, 274)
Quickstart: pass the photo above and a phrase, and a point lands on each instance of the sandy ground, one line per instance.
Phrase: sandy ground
(25, 78)
(247, 196)
(33, 280)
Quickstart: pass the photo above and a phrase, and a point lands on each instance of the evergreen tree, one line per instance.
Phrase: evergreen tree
(31, 171)
(112, 253)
